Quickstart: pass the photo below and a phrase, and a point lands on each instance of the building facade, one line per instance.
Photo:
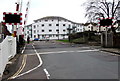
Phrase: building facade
(52, 27)
(93, 27)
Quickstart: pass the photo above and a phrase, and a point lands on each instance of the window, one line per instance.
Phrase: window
(43, 36)
(28, 32)
(52, 20)
(69, 25)
(42, 24)
(42, 30)
(63, 30)
(34, 31)
(59, 20)
(46, 20)
(50, 24)
(34, 26)
(37, 30)
(57, 24)
(27, 27)
(80, 30)
(57, 30)
(56, 35)
(34, 36)
(63, 24)
(50, 30)
(50, 35)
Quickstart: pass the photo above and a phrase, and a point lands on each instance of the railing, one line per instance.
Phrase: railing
(7, 51)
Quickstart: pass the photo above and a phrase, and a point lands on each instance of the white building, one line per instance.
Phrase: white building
(52, 27)
(93, 27)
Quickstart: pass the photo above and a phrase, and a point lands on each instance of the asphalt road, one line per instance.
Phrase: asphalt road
(66, 61)
(56, 60)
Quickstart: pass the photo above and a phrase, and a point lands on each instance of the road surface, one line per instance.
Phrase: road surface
(67, 61)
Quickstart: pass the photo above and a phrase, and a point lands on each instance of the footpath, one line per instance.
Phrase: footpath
(13, 68)
(115, 51)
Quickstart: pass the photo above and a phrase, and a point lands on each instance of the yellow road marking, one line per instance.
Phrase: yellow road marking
(21, 67)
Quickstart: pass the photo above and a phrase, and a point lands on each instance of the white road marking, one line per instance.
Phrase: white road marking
(20, 69)
(84, 47)
(88, 50)
(59, 52)
(110, 53)
(47, 74)
(23, 49)
(40, 63)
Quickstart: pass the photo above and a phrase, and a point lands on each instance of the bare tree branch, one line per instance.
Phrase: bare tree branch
(116, 8)
(113, 4)
(102, 8)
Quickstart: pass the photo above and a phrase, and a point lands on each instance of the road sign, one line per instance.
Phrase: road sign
(12, 18)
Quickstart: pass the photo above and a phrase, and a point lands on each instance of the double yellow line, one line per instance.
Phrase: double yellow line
(20, 69)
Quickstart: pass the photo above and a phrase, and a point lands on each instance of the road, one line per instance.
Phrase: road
(68, 61)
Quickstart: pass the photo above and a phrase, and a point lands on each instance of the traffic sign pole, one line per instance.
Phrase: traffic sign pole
(17, 11)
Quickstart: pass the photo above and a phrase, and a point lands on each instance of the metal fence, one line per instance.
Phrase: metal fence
(107, 39)
(110, 40)
(7, 51)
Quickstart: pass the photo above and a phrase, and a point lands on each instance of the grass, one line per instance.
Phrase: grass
(63, 40)
(30, 41)
(79, 41)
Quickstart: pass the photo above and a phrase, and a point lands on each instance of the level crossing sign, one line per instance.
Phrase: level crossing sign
(12, 18)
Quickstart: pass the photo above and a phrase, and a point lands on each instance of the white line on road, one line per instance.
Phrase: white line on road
(88, 50)
(59, 52)
(23, 49)
(110, 53)
(40, 63)
(47, 74)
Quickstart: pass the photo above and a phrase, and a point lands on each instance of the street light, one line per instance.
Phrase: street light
(58, 28)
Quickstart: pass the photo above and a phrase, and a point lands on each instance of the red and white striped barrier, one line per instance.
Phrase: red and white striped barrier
(26, 15)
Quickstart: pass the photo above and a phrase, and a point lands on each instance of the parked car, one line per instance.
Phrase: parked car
(36, 39)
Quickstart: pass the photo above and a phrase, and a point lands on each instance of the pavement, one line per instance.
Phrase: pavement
(115, 51)
(17, 61)
(12, 68)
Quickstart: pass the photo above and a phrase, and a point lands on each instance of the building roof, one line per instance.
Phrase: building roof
(56, 17)
(86, 24)
(28, 25)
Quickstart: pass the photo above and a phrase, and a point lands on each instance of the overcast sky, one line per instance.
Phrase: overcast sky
(70, 9)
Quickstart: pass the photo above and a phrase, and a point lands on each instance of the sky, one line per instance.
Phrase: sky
(69, 9)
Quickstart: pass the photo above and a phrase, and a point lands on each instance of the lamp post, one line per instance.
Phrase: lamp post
(58, 28)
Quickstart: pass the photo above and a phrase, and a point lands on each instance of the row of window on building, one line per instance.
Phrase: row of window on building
(44, 31)
(48, 25)
(57, 30)
(52, 20)
(52, 35)
(49, 31)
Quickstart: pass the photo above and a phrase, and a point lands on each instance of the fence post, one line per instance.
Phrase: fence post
(0, 63)
(102, 39)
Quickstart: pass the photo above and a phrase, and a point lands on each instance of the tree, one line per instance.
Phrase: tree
(102, 9)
